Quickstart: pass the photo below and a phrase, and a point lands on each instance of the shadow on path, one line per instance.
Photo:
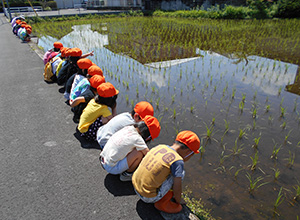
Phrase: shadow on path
(118, 188)
(147, 211)
(85, 143)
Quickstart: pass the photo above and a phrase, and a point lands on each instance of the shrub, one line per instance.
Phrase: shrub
(232, 12)
(288, 9)
(51, 4)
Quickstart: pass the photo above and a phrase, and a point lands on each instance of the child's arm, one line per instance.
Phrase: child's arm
(177, 189)
(76, 101)
(87, 54)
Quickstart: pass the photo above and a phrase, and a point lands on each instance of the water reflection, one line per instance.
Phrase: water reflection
(295, 87)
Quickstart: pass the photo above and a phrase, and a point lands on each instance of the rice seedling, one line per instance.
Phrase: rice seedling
(254, 112)
(275, 152)
(226, 126)
(209, 131)
(276, 173)
(157, 102)
(174, 113)
(278, 201)
(255, 95)
(237, 149)
(241, 106)
(213, 121)
(295, 105)
(222, 158)
(267, 108)
(291, 160)
(242, 133)
(127, 99)
(192, 108)
(287, 136)
(254, 125)
(256, 141)
(283, 125)
(282, 112)
(237, 172)
(233, 93)
(243, 97)
(281, 101)
(254, 183)
(297, 189)
(279, 90)
(254, 161)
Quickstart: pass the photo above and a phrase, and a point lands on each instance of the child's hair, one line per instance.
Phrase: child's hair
(82, 72)
(182, 145)
(74, 60)
(109, 101)
(144, 130)
(133, 112)
(56, 49)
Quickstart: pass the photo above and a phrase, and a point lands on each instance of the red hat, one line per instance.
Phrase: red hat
(57, 45)
(96, 81)
(95, 70)
(153, 126)
(84, 63)
(144, 108)
(106, 90)
(190, 139)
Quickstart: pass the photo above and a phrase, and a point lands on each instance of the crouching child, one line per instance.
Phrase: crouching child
(158, 179)
(126, 148)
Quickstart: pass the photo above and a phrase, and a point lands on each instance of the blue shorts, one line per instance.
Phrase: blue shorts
(119, 168)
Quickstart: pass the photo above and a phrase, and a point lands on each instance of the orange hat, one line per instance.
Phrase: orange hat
(153, 126)
(95, 70)
(63, 51)
(84, 63)
(23, 22)
(57, 45)
(74, 52)
(18, 21)
(23, 25)
(96, 81)
(28, 30)
(190, 139)
(106, 90)
(144, 108)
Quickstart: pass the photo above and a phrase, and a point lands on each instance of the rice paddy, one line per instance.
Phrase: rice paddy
(234, 83)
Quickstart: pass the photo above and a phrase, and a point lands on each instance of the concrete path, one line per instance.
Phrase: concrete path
(45, 171)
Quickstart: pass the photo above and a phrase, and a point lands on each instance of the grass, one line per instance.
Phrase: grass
(196, 206)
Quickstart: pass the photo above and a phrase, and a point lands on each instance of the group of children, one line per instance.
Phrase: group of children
(156, 174)
(21, 29)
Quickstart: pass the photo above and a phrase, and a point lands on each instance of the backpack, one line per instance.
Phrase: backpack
(48, 73)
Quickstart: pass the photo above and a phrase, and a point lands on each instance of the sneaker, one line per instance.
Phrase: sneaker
(125, 176)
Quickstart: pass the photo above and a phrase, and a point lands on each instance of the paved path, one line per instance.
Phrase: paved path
(45, 171)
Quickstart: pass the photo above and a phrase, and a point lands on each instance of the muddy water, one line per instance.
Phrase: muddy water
(190, 88)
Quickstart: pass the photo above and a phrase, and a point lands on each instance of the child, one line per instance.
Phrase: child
(83, 65)
(52, 52)
(126, 148)
(162, 169)
(96, 112)
(82, 95)
(118, 122)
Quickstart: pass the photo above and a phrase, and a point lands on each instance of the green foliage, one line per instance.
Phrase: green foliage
(288, 9)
